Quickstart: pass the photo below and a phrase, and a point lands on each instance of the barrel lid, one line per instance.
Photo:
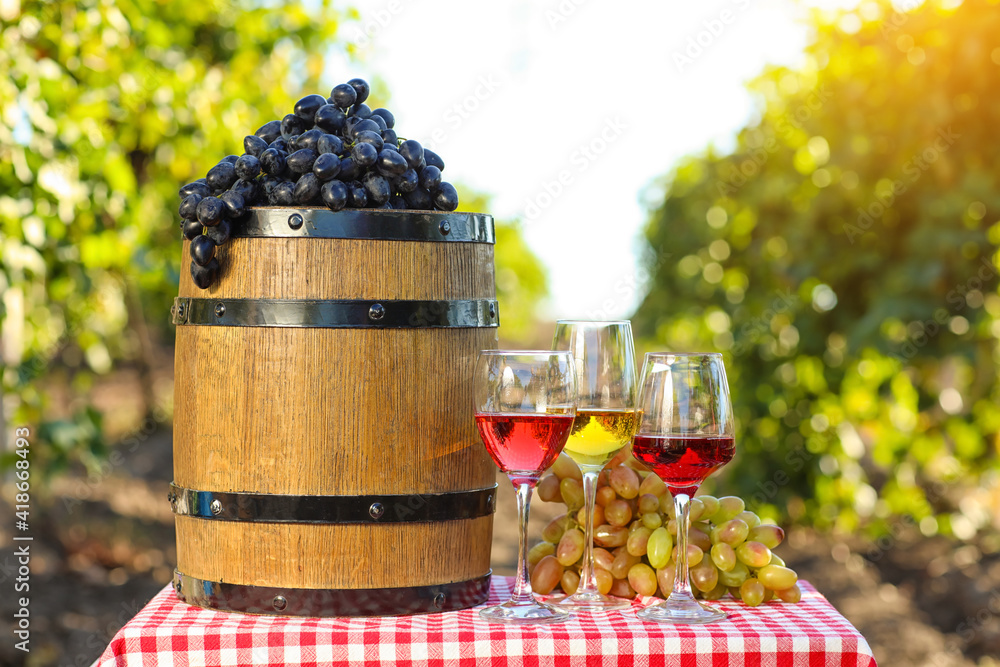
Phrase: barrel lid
(382, 224)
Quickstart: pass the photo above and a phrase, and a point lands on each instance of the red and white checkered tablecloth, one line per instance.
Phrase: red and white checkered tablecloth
(811, 633)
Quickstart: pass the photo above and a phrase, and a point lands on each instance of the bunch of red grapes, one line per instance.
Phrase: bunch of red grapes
(729, 549)
(332, 151)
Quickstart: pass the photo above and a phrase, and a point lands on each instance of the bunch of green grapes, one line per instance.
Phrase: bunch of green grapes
(729, 549)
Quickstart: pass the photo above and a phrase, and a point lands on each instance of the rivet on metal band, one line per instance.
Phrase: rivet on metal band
(282, 601)
(280, 508)
(337, 314)
(367, 224)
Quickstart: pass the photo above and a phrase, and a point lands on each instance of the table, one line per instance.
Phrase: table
(811, 633)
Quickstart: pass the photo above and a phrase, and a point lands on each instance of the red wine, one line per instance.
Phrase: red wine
(524, 443)
(683, 462)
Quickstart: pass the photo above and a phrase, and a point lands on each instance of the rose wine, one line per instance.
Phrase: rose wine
(597, 435)
(683, 462)
(524, 443)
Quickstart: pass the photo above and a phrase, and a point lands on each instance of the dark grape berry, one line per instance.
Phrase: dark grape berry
(249, 190)
(334, 195)
(399, 203)
(301, 161)
(349, 169)
(391, 163)
(344, 95)
(330, 143)
(390, 138)
(269, 183)
(377, 189)
(446, 197)
(204, 276)
(231, 159)
(188, 207)
(306, 189)
(356, 196)
(202, 250)
(210, 211)
(433, 159)
(368, 137)
(330, 119)
(193, 228)
(412, 151)
(326, 167)
(254, 145)
(430, 178)
(220, 233)
(419, 199)
(365, 125)
(272, 161)
(360, 110)
(235, 205)
(386, 115)
(269, 131)
(308, 139)
(364, 155)
(292, 125)
(197, 188)
(247, 167)
(306, 107)
(361, 88)
(280, 144)
(349, 126)
(283, 194)
(408, 181)
(378, 120)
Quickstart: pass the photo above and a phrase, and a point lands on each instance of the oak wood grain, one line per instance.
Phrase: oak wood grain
(333, 412)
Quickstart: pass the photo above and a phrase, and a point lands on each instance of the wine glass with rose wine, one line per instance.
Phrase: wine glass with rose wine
(525, 402)
(605, 423)
(685, 434)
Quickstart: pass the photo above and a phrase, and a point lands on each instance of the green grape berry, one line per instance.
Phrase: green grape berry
(724, 556)
(777, 577)
(658, 548)
(752, 592)
(711, 504)
(753, 554)
(729, 507)
(638, 541)
(768, 535)
(570, 548)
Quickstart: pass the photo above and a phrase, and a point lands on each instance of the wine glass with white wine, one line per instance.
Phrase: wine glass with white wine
(605, 423)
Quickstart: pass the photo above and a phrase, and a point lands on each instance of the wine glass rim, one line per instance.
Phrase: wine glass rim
(594, 322)
(525, 353)
(683, 354)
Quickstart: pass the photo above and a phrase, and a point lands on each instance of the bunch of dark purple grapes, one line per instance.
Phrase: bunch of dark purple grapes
(333, 150)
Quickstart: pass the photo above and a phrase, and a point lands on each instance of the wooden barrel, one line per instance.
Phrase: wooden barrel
(326, 462)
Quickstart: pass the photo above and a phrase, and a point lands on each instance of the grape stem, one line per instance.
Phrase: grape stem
(588, 579)
(522, 587)
(682, 587)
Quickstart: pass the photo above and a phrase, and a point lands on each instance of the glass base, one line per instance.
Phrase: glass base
(591, 602)
(523, 612)
(681, 610)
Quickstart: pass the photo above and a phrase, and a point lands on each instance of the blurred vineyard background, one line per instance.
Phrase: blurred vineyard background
(843, 256)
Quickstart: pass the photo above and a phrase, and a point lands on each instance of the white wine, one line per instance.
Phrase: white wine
(598, 435)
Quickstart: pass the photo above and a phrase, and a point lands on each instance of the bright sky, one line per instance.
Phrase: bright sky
(569, 113)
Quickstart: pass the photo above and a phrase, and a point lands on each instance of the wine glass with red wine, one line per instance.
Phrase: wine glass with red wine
(525, 403)
(685, 434)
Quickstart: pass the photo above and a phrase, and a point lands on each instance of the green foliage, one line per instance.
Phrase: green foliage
(107, 108)
(520, 277)
(844, 258)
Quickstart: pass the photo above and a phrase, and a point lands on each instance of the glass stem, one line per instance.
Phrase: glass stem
(682, 587)
(588, 580)
(522, 585)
